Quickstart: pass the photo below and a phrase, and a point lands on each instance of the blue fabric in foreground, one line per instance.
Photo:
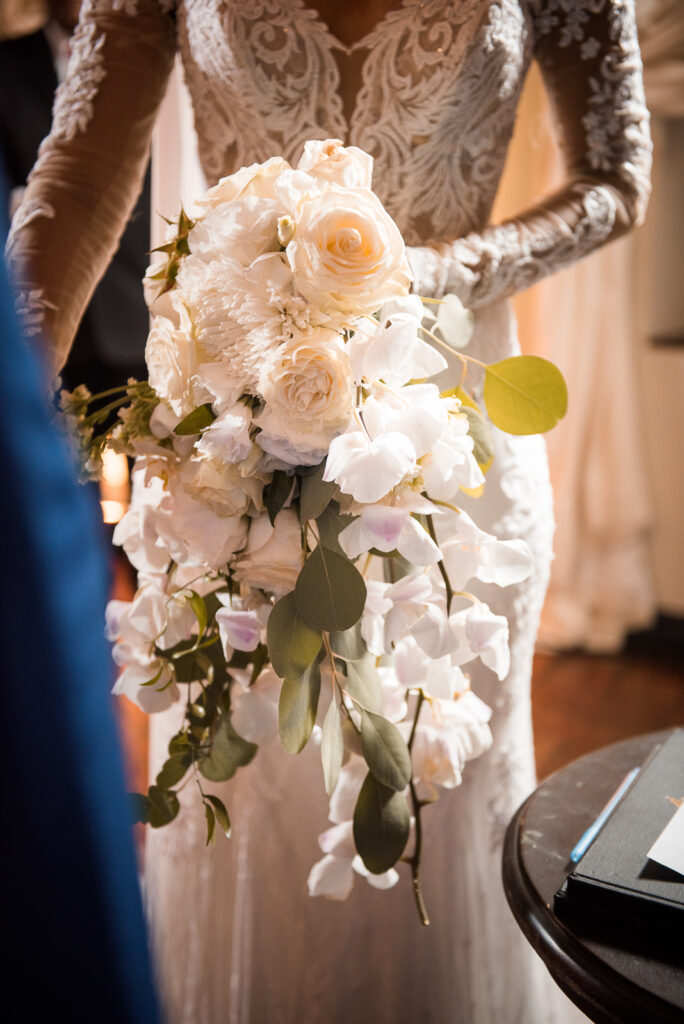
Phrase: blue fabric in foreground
(75, 944)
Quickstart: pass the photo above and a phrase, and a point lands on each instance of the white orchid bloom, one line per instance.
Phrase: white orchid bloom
(417, 411)
(394, 352)
(471, 552)
(387, 528)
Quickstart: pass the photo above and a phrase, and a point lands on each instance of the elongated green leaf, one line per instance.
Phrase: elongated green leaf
(220, 812)
(211, 822)
(279, 491)
(315, 494)
(525, 394)
(292, 642)
(330, 524)
(349, 645)
(363, 683)
(201, 417)
(332, 747)
(297, 709)
(330, 591)
(228, 752)
(163, 806)
(385, 751)
(381, 825)
(200, 611)
(174, 769)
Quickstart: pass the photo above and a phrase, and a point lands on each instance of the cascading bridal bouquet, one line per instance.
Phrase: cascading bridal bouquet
(295, 526)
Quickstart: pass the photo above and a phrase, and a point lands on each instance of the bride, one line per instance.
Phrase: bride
(430, 90)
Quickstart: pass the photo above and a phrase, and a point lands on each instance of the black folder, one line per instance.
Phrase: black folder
(615, 875)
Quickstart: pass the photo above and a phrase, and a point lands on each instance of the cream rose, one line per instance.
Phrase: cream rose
(170, 358)
(273, 556)
(336, 163)
(255, 180)
(307, 386)
(347, 254)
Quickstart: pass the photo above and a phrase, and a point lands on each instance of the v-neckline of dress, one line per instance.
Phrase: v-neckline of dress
(365, 40)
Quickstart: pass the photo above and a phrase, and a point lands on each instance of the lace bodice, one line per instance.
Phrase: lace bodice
(431, 91)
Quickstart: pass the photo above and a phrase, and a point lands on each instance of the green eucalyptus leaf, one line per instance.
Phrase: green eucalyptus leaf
(174, 769)
(201, 417)
(332, 747)
(330, 591)
(330, 524)
(385, 751)
(363, 683)
(297, 709)
(525, 394)
(315, 494)
(292, 642)
(179, 744)
(211, 822)
(163, 806)
(279, 490)
(199, 609)
(220, 812)
(382, 822)
(228, 752)
(349, 645)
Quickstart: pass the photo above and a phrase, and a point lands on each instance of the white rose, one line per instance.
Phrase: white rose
(308, 390)
(255, 180)
(347, 254)
(273, 556)
(169, 354)
(337, 163)
(222, 486)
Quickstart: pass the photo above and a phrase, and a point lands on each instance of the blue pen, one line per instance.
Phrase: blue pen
(587, 839)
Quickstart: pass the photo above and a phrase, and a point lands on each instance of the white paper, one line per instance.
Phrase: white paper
(668, 848)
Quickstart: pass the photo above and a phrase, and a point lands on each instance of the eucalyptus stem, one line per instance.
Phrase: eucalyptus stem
(414, 861)
(441, 566)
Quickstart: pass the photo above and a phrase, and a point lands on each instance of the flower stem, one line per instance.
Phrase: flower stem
(441, 566)
(414, 861)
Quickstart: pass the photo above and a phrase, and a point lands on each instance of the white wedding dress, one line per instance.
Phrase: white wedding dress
(431, 92)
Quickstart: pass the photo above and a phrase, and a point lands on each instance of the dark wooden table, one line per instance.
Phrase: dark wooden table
(615, 975)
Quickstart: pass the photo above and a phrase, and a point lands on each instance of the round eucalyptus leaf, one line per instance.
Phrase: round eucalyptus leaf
(385, 751)
(525, 394)
(382, 822)
(330, 591)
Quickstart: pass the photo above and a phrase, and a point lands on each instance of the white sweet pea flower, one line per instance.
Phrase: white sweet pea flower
(273, 556)
(366, 469)
(347, 253)
(451, 464)
(436, 676)
(387, 528)
(483, 635)
(239, 629)
(337, 164)
(471, 552)
(455, 322)
(394, 352)
(254, 709)
(416, 410)
(137, 531)
(227, 438)
(150, 699)
(449, 733)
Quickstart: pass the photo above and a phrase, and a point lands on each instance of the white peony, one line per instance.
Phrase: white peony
(347, 253)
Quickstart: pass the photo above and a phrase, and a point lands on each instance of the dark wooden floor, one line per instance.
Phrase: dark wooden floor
(581, 702)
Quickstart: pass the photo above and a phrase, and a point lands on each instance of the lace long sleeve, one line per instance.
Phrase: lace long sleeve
(90, 167)
(589, 57)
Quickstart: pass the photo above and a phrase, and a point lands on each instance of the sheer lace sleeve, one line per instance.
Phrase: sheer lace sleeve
(589, 58)
(90, 167)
